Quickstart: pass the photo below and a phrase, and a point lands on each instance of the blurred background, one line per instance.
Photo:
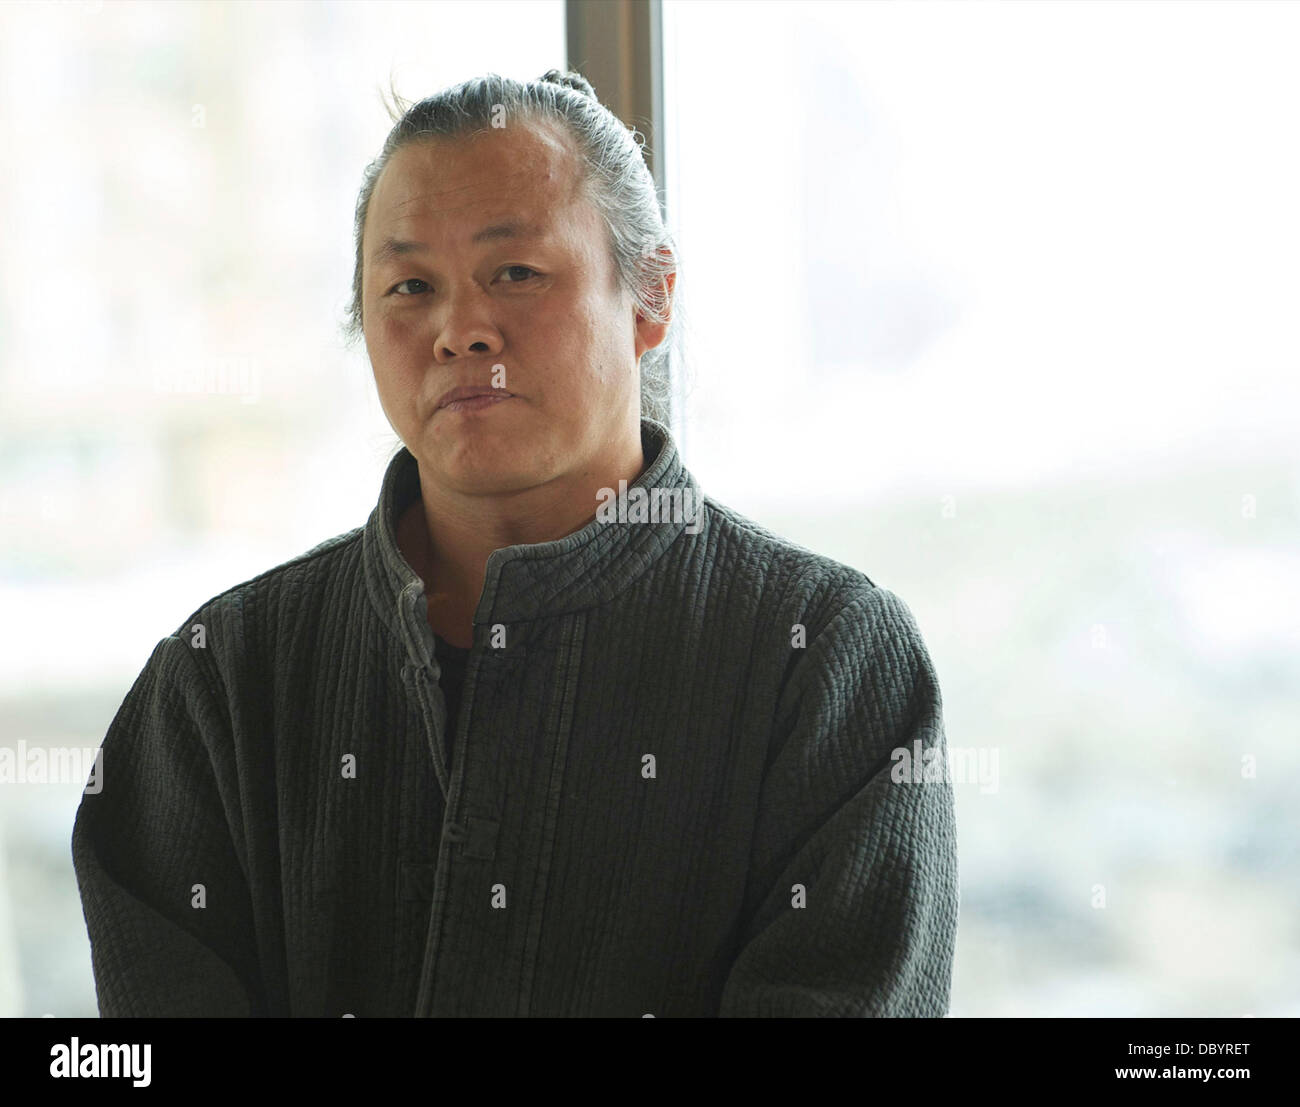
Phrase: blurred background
(995, 302)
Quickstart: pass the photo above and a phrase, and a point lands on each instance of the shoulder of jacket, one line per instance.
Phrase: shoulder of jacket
(778, 554)
(300, 571)
(827, 595)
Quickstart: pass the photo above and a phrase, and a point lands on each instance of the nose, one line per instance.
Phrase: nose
(467, 328)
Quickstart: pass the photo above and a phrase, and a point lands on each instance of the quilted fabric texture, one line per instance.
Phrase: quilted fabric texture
(670, 790)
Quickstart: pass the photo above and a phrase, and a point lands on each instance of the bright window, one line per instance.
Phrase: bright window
(997, 302)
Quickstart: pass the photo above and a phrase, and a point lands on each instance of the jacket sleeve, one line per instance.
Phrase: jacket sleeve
(156, 830)
(853, 898)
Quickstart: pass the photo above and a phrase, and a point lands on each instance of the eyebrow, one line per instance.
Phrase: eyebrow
(392, 248)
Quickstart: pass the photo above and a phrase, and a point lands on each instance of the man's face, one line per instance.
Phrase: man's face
(546, 305)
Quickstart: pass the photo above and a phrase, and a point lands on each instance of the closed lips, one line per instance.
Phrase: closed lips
(469, 392)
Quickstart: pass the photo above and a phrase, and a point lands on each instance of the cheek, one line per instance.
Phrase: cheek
(392, 347)
(595, 333)
(396, 370)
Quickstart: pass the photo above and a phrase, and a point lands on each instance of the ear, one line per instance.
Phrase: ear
(649, 333)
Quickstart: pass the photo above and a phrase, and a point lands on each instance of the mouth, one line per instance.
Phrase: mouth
(477, 403)
(472, 398)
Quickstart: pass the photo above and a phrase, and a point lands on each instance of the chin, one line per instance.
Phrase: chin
(484, 463)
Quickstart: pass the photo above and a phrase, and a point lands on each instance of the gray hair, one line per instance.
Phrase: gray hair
(615, 178)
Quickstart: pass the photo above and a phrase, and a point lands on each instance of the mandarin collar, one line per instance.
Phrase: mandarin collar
(531, 580)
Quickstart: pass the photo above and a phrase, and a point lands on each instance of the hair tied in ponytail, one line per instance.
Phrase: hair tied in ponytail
(575, 81)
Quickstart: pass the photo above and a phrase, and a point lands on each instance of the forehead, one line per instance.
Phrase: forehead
(450, 185)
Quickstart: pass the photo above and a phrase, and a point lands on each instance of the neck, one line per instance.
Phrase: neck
(447, 536)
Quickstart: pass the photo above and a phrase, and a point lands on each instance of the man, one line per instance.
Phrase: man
(553, 734)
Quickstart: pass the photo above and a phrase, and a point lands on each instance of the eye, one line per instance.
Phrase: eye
(526, 269)
(407, 281)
